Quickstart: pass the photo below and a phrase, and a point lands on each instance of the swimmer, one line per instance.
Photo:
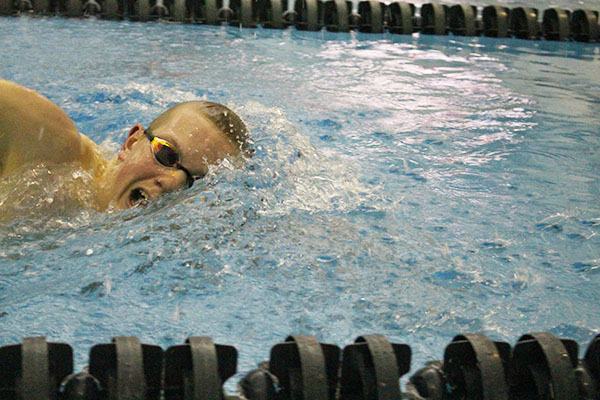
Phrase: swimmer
(174, 151)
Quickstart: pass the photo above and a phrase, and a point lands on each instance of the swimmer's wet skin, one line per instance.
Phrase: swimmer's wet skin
(175, 150)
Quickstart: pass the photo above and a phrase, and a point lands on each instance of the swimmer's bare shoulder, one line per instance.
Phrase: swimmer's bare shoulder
(34, 130)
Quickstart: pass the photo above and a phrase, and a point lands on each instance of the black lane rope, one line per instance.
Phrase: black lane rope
(370, 16)
(539, 366)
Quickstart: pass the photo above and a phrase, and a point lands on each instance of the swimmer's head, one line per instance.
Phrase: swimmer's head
(225, 120)
(177, 148)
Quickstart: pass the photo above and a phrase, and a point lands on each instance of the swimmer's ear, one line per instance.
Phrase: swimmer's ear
(134, 136)
(136, 128)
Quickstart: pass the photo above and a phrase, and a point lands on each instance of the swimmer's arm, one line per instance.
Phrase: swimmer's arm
(34, 130)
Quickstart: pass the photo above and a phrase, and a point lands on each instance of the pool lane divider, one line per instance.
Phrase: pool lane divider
(539, 366)
(369, 16)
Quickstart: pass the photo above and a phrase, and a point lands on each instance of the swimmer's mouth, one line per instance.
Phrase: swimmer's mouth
(138, 198)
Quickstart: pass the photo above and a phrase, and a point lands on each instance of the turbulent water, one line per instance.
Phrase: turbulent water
(417, 187)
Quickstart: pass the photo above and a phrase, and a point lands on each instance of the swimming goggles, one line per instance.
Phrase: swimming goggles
(166, 155)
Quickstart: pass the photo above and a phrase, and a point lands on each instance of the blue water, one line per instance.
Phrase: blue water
(417, 187)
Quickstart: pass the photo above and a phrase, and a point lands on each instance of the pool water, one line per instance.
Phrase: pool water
(413, 186)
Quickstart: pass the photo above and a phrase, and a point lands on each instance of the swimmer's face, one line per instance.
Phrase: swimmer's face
(196, 140)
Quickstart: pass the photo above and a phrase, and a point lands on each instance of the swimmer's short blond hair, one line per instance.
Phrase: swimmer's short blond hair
(227, 121)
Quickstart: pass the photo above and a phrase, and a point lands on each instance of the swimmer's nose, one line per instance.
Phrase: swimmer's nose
(171, 181)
